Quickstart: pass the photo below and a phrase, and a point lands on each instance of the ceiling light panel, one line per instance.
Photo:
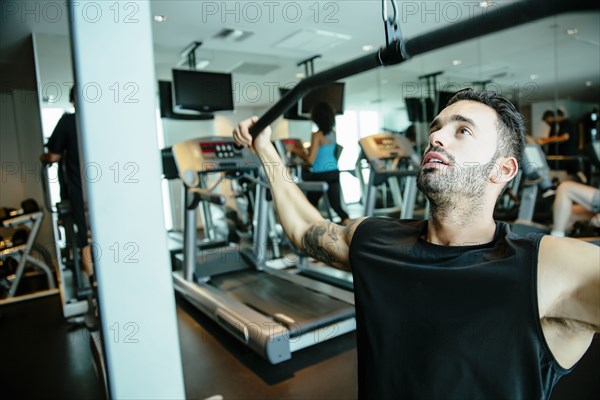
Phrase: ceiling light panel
(312, 41)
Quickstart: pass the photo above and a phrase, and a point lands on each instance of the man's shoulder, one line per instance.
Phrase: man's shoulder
(565, 248)
(565, 258)
(63, 123)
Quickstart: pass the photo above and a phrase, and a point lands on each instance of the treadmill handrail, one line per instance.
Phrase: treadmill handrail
(204, 195)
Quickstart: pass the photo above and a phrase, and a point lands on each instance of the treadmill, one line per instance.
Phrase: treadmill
(536, 174)
(270, 311)
(391, 162)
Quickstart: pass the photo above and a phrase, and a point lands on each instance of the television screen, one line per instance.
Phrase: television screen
(332, 94)
(170, 170)
(202, 91)
(414, 108)
(443, 98)
(292, 113)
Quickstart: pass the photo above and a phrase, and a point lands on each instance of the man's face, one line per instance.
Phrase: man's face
(461, 153)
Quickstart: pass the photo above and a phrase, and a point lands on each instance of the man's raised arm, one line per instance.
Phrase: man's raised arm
(302, 223)
(570, 272)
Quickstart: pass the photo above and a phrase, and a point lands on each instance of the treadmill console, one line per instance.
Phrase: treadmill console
(211, 154)
(284, 148)
(219, 150)
(381, 147)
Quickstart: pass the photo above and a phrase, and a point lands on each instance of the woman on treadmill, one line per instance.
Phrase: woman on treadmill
(322, 159)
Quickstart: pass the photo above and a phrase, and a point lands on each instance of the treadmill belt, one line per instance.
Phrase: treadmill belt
(303, 309)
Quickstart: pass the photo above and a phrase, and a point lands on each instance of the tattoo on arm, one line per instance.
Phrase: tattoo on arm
(320, 238)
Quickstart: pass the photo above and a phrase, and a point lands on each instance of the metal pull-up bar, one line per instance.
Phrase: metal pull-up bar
(502, 18)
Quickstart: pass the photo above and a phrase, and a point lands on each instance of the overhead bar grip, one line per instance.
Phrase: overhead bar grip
(506, 17)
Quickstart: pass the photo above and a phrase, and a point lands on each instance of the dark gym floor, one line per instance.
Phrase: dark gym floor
(43, 357)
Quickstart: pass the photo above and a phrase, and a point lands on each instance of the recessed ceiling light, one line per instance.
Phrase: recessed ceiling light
(160, 18)
(300, 75)
(533, 77)
(367, 47)
(572, 31)
(202, 64)
(456, 62)
(485, 4)
(588, 83)
(237, 33)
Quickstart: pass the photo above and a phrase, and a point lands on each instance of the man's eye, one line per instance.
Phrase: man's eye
(465, 131)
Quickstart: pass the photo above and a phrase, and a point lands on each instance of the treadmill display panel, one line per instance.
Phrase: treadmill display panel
(387, 143)
(219, 150)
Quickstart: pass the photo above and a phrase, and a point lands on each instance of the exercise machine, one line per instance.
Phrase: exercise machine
(535, 180)
(75, 288)
(25, 225)
(392, 167)
(270, 311)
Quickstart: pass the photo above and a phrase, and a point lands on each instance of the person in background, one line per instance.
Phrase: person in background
(575, 202)
(550, 119)
(322, 158)
(63, 148)
(545, 126)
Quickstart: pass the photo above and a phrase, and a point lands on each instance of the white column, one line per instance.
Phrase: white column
(114, 73)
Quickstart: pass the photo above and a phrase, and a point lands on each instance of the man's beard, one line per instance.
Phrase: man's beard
(455, 187)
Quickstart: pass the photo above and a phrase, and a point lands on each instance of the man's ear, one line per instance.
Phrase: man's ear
(507, 169)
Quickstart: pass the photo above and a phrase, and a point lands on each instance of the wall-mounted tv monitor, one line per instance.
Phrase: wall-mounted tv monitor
(201, 91)
(332, 94)
(165, 98)
(443, 98)
(292, 113)
(414, 108)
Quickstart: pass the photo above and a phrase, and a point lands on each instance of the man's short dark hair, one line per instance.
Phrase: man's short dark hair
(547, 114)
(511, 125)
(560, 113)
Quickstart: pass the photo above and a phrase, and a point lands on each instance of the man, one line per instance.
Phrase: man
(547, 126)
(569, 145)
(63, 148)
(456, 306)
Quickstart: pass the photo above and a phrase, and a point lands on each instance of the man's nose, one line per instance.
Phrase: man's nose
(438, 138)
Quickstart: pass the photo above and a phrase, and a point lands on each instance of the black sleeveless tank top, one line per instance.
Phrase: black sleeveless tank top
(448, 322)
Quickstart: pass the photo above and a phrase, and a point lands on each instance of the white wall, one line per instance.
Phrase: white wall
(54, 70)
(396, 120)
(13, 190)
